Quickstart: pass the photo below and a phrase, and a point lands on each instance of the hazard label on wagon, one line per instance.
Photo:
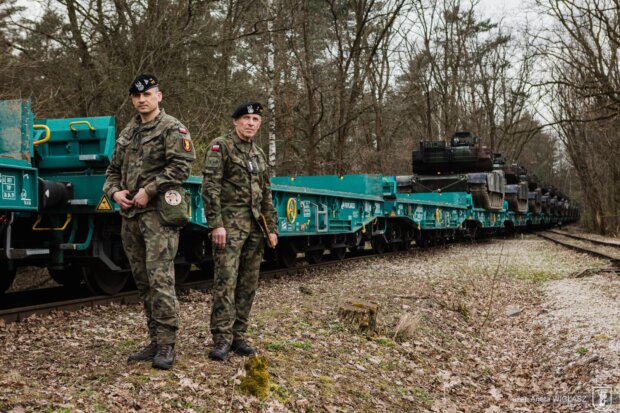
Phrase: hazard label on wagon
(104, 204)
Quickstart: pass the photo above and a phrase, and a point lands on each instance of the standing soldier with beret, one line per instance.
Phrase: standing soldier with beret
(152, 158)
(236, 192)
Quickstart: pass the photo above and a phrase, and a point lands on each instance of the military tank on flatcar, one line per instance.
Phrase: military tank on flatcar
(461, 165)
(517, 190)
(534, 195)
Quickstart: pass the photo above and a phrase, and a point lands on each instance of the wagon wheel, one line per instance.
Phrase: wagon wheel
(405, 245)
(423, 241)
(287, 254)
(7, 276)
(102, 280)
(181, 272)
(378, 245)
(314, 256)
(338, 253)
(358, 243)
(69, 277)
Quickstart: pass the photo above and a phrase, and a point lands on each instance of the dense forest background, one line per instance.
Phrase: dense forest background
(351, 85)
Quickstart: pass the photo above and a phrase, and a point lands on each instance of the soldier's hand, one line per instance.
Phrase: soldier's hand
(273, 240)
(141, 198)
(218, 237)
(120, 197)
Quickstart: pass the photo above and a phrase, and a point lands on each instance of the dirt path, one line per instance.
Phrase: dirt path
(498, 326)
(583, 317)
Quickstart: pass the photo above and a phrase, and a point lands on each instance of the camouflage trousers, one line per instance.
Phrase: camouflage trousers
(150, 248)
(237, 266)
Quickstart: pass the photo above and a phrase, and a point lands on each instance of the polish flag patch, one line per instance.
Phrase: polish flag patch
(215, 148)
(183, 130)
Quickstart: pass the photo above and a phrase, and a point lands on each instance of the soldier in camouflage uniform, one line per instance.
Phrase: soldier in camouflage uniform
(236, 191)
(152, 156)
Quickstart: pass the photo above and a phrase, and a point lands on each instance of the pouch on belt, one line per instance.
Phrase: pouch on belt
(172, 206)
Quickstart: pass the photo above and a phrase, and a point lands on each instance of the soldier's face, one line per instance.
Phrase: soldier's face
(146, 102)
(246, 126)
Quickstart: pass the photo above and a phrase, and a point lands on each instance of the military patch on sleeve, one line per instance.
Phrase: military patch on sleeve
(187, 145)
(215, 147)
(183, 130)
(214, 162)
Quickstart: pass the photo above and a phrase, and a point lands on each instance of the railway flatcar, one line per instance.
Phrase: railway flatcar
(53, 212)
(55, 215)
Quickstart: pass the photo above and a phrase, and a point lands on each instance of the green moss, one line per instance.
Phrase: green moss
(280, 393)
(256, 380)
(384, 341)
(582, 351)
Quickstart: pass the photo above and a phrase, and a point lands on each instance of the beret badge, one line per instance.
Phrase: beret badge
(143, 83)
(248, 108)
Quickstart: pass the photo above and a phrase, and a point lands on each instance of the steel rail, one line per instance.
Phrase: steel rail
(615, 259)
(594, 241)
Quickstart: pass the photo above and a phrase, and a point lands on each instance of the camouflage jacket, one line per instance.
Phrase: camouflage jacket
(155, 156)
(236, 184)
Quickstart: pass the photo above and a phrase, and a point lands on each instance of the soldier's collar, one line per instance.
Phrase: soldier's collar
(244, 146)
(151, 124)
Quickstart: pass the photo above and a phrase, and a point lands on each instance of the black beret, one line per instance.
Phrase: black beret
(248, 108)
(143, 82)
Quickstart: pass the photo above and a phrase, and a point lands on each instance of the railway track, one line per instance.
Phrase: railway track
(604, 249)
(615, 244)
(20, 305)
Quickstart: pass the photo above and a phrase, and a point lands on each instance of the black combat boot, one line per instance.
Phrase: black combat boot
(242, 348)
(164, 357)
(220, 350)
(146, 354)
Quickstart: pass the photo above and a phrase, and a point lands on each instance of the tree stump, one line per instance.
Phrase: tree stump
(359, 314)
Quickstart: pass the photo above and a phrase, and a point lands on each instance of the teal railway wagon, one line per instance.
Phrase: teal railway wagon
(71, 226)
(18, 179)
(444, 216)
(54, 214)
(329, 212)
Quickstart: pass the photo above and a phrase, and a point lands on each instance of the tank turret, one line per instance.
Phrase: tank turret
(463, 164)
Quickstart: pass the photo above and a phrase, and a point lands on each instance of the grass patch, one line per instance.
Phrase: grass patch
(282, 346)
(421, 394)
(384, 341)
(125, 346)
(275, 347)
(582, 351)
(536, 276)
(279, 392)
(337, 327)
(304, 345)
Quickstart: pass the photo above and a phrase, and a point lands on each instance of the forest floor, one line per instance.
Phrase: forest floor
(505, 325)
